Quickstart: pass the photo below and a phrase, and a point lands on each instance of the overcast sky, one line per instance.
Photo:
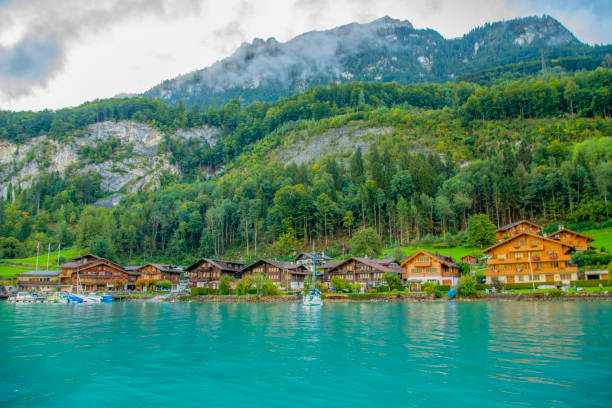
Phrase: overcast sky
(57, 53)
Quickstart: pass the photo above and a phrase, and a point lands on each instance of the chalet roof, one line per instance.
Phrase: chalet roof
(39, 273)
(519, 236)
(221, 264)
(374, 263)
(86, 256)
(514, 224)
(446, 260)
(310, 255)
(468, 256)
(589, 239)
(71, 265)
(99, 261)
(167, 268)
(294, 268)
(331, 264)
(132, 268)
(386, 261)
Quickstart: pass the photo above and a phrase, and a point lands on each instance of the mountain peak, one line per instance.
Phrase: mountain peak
(385, 49)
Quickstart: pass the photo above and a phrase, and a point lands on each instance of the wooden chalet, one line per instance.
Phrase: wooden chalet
(287, 274)
(469, 259)
(365, 271)
(515, 228)
(307, 259)
(527, 255)
(171, 273)
(44, 281)
(423, 266)
(205, 272)
(95, 273)
(576, 240)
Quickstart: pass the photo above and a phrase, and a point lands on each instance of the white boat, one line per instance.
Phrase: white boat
(24, 297)
(313, 297)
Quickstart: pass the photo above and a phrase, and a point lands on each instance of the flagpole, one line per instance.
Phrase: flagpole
(58, 255)
(37, 246)
(48, 254)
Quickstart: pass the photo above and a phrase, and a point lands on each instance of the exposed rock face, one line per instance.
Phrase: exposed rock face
(141, 169)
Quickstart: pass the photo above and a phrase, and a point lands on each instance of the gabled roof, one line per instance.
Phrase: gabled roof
(218, 263)
(446, 260)
(374, 263)
(514, 224)
(294, 268)
(310, 255)
(589, 239)
(165, 268)
(101, 261)
(518, 236)
(86, 256)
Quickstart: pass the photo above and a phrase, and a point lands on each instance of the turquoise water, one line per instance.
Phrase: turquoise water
(284, 355)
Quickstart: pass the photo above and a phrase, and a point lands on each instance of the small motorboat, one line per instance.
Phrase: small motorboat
(313, 298)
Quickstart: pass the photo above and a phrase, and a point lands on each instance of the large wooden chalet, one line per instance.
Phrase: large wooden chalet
(45, 281)
(365, 271)
(527, 257)
(423, 266)
(578, 241)
(515, 228)
(284, 274)
(158, 272)
(95, 273)
(308, 260)
(205, 272)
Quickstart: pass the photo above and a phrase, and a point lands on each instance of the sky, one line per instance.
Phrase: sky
(59, 53)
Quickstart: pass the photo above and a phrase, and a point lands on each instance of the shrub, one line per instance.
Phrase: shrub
(270, 289)
(443, 288)
(555, 292)
(481, 286)
(164, 285)
(466, 287)
(194, 291)
(524, 285)
(338, 283)
(243, 286)
(224, 284)
(498, 284)
(393, 280)
(438, 293)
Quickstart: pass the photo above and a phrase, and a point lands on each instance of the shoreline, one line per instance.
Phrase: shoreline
(520, 297)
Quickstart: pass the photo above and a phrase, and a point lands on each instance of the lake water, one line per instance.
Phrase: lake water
(549, 354)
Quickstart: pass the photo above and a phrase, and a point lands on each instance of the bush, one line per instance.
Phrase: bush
(466, 287)
(555, 292)
(438, 293)
(393, 280)
(164, 285)
(443, 288)
(593, 283)
(270, 289)
(243, 286)
(194, 291)
(498, 284)
(224, 284)
(481, 286)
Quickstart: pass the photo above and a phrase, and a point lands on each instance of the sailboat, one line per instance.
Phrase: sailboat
(313, 297)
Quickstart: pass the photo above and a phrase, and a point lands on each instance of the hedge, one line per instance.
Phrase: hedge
(525, 285)
(443, 288)
(364, 296)
(591, 283)
(202, 291)
(482, 286)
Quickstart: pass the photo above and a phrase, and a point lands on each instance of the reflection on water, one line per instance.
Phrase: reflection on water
(363, 354)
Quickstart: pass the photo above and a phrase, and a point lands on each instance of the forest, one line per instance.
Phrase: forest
(539, 147)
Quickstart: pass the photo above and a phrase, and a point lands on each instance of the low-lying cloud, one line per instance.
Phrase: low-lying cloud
(48, 29)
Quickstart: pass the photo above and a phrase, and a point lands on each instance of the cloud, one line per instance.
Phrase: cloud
(48, 29)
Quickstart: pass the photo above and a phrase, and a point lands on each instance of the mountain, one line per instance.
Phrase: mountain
(384, 50)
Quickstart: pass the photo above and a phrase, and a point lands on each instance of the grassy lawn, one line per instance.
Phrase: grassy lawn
(42, 258)
(9, 271)
(455, 252)
(603, 238)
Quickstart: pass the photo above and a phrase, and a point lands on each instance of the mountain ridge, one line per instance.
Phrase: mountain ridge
(384, 50)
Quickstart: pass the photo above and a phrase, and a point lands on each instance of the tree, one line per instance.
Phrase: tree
(466, 287)
(224, 284)
(481, 231)
(348, 221)
(164, 285)
(402, 185)
(356, 167)
(393, 280)
(243, 286)
(308, 283)
(366, 242)
(338, 283)
(259, 280)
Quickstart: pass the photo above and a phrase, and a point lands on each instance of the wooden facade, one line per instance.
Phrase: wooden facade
(283, 274)
(469, 259)
(159, 272)
(45, 281)
(423, 266)
(525, 255)
(515, 228)
(308, 260)
(95, 273)
(365, 271)
(206, 272)
(576, 240)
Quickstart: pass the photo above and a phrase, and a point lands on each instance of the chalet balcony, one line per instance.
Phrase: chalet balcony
(421, 264)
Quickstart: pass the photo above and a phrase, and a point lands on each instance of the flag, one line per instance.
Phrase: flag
(37, 245)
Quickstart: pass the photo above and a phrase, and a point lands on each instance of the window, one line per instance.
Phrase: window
(525, 278)
(423, 259)
(431, 271)
(516, 244)
(522, 243)
(535, 243)
(539, 265)
(518, 255)
(501, 256)
(565, 276)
